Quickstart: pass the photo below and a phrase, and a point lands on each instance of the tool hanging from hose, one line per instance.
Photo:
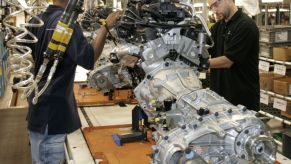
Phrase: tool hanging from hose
(57, 46)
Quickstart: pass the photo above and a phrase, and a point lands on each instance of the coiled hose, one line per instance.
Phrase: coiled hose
(19, 63)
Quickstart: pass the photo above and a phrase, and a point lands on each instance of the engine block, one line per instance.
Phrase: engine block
(192, 124)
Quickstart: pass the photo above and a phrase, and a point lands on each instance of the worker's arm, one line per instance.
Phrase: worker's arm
(220, 62)
(99, 41)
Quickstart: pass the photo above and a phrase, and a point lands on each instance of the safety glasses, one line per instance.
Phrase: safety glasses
(216, 4)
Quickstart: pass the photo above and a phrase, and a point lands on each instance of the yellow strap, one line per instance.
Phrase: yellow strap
(52, 46)
(62, 34)
(55, 47)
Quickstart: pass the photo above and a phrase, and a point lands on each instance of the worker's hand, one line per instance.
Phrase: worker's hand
(113, 18)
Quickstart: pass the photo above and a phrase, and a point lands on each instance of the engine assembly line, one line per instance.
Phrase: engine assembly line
(191, 124)
(152, 63)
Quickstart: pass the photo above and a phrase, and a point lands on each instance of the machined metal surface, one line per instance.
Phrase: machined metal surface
(192, 124)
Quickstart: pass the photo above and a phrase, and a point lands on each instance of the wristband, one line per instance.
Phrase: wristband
(104, 24)
(106, 27)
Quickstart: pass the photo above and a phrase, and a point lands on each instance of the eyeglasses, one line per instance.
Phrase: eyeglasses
(216, 4)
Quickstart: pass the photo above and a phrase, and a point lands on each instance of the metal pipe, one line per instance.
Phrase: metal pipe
(266, 14)
(275, 117)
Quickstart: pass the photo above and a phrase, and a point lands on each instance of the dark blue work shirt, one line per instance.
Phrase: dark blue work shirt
(57, 106)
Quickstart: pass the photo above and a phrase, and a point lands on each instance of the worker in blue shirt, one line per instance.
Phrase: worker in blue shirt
(55, 114)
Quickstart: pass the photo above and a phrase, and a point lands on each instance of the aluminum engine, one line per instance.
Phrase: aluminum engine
(192, 124)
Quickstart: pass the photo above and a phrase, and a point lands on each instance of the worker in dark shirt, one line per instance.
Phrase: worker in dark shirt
(55, 113)
(234, 60)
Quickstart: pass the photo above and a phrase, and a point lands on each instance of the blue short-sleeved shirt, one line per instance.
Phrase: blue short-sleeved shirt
(57, 106)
